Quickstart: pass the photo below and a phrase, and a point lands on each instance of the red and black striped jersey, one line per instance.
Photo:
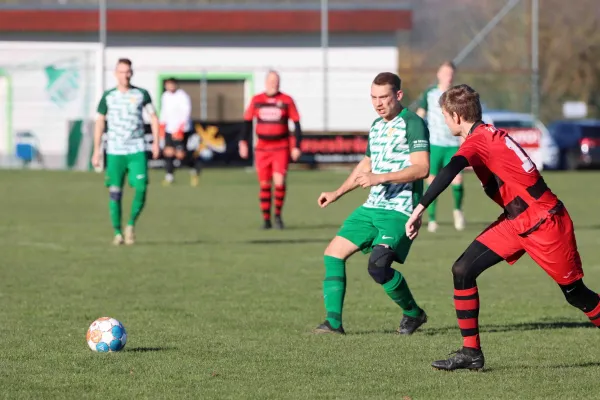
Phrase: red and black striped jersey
(272, 115)
(508, 176)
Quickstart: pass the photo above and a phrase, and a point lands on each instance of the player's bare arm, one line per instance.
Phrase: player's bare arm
(421, 112)
(417, 171)
(326, 198)
(98, 131)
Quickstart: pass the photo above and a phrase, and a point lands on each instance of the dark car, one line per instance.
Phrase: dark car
(578, 142)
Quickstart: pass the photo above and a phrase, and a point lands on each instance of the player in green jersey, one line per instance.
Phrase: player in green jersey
(395, 164)
(443, 144)
(121, 111)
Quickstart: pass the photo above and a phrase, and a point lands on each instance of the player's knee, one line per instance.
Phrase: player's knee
(334, 250)
(180, 155)
(380, 264)
(461, 273)
(115, 193)
(279, 179)
(459, 268)
(168, 151)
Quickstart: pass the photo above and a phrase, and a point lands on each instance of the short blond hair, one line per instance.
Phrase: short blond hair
(462, 100)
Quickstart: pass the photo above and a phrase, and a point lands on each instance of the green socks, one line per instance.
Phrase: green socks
(431, 208)
(334, 289)
(137, 206)
(114, 207)
(398, 290)
(458, 194)
(115, 215)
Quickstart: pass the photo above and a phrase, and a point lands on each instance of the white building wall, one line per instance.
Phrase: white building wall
(351, 70)
(44, 106)
(46, 85)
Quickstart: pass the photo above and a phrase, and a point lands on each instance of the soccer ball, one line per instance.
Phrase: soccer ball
(106, 335)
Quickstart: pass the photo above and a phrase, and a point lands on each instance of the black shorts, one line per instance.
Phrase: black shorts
(179, 145)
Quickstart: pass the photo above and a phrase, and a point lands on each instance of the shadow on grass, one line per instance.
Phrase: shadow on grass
(593, 364)
(287, 241)
(187, 242)
(588, 227)
(578, 365)
(148, 349)
(481, 225)
(251, 241)
(309, 227)
(469, 224)
(371, 332)
(520, 327)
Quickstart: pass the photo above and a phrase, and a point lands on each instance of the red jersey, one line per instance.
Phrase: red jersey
(272, 114)
(508, 176)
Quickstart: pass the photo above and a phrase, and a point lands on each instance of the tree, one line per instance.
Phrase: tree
(500, 67)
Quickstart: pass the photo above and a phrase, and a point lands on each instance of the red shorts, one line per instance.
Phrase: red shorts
(552, 246)
(269, 162)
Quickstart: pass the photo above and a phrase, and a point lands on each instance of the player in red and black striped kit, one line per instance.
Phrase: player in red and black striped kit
(272, 110)
(534, 221)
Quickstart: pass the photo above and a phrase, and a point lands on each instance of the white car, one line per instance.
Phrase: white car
(530, 133)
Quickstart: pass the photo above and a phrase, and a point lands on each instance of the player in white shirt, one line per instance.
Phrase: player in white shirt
(175, 117)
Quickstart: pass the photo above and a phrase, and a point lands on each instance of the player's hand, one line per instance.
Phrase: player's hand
(155, 150)
(96, 156)
(413, 225)
(296, 153)
(367, 179)
(326, 198)
(243, 147)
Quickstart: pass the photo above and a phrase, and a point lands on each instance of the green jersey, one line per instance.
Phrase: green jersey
(124, 119)
(389, 147)
(440, 133)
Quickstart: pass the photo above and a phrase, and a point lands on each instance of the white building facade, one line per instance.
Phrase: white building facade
(51, 77)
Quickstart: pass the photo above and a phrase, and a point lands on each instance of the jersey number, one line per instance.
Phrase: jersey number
(527, 165)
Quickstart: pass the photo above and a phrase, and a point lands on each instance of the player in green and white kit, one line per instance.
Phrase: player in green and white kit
(395, 163)
(443, 144)
(121, 111)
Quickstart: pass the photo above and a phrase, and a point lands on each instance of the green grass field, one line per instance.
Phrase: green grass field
(216, 308)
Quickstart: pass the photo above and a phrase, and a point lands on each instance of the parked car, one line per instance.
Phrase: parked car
(578, 142)
(530, 133)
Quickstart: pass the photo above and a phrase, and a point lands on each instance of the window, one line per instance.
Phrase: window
(224, 99)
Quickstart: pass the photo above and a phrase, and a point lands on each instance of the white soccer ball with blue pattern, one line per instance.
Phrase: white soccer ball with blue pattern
(106, 335)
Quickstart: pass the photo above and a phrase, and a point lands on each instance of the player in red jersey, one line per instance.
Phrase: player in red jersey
(534, 221)
(272, 110)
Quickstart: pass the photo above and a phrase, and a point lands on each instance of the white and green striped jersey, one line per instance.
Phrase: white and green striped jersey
(439, 132)
(124, 119)
(389, 147)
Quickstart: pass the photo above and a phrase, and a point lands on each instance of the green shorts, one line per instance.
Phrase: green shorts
(368, 227)
(439, 157)
(132, 165)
